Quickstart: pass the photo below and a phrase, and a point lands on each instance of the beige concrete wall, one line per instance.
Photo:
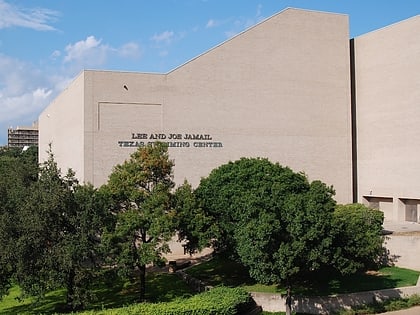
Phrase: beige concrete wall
(278, 90)
(387, 63)
(61, 124)
(404, 250)
(118, 104)
(331, 304)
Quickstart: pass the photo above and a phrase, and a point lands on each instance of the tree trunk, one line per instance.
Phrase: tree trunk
(70, 289)
(142, 270)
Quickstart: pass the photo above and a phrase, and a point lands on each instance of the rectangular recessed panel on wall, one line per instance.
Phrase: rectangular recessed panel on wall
(132, 116)
(116, 134)
(385, 204)
(411, 212)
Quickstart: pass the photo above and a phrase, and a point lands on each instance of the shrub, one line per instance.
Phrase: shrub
(395, 305)
(218, 301)
(413, 300)
(386, 306)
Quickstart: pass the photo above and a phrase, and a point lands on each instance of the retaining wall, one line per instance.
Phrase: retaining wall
(330, 304)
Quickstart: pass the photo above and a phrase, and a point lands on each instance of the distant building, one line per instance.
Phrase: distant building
(294, 89)
(23, 136)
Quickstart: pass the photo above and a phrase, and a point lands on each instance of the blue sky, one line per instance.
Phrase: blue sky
(44, 44)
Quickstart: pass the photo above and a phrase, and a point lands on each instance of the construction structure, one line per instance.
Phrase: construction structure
(23, 136)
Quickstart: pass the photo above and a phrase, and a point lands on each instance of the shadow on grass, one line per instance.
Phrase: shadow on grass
(222, 271)
(167, 287)
(51, 303)
(110, 292)
(329, 282)
(160, 287)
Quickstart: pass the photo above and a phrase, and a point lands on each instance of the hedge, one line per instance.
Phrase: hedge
(217, 301)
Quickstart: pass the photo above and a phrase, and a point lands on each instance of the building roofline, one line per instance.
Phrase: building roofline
(248, 29)
(388, 26)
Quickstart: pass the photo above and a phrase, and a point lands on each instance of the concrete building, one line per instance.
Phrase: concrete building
(287, 89)
(24, 136)
(387, 100)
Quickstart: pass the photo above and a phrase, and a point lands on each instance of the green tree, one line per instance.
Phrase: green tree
(141, 191)
(272, 219)
(18, 171)
(193, 226)
(358, 238)
(25, 163)
(41, 220)
(80, 253)
(59, 233)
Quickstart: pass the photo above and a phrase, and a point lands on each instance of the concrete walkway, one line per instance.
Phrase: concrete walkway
(409, 311)
(178, 254)
(401, 227)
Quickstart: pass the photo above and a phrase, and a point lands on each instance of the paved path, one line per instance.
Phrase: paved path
(409, 311)
(177, 253)
(401, 227)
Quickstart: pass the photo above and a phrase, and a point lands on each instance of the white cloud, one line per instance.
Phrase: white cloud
(241, 24)
(92, 53)
(130, 50)
(37, 18)
(41, 94)
(25, 89)
(24, 92)
(211, 23)
(216, 23)
(89, 51)
(166, 37)
(55, 54)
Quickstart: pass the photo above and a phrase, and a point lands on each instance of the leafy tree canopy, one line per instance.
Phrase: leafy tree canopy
(56, 241)
(358, 239)
(145, 222)
(193, 225)
(271, 218)
(18, 171)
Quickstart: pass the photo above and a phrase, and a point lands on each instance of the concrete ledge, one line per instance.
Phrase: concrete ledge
(326, 305)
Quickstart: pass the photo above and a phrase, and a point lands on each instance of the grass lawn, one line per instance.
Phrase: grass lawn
(384, 278)
(223, 271)
(110, 293)
(11, 304)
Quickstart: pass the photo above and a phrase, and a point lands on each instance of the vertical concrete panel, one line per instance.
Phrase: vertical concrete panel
(121, 136)
(280, 90)
(61, 124)
(120, 104)
(388, 98)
